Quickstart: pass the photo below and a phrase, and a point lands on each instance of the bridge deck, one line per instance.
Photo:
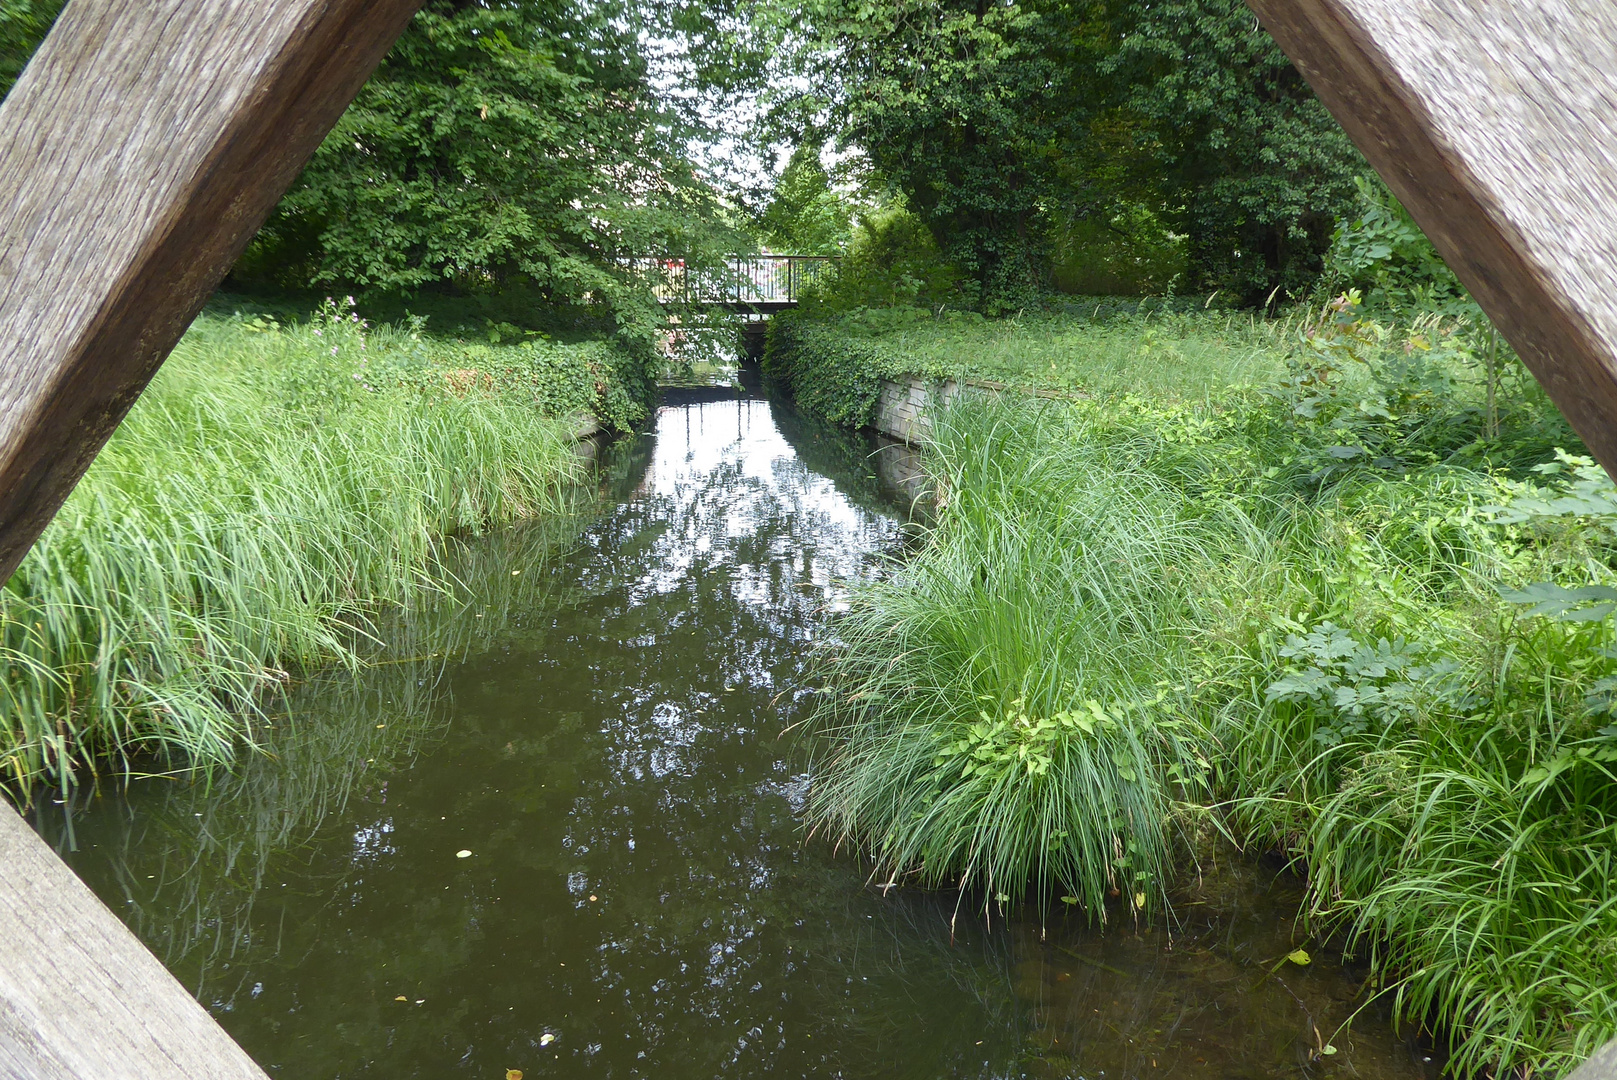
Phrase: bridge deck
(762, 284)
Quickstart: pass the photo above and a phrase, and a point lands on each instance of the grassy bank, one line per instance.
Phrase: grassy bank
(1340, 615)
(274, 487)
(834, 366)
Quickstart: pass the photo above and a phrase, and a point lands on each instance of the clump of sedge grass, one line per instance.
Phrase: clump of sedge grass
(997, 716)
(272, 487)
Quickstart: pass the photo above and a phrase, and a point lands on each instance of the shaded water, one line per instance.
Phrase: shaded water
(556, 832)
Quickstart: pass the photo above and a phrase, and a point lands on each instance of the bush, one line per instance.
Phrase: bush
(892, 261)
(1384, 254)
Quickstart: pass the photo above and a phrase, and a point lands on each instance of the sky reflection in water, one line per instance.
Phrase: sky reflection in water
(603, 731)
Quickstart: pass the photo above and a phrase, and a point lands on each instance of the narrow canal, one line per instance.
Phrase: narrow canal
(555, 832)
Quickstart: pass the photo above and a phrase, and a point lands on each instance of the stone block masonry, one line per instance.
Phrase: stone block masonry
(902, 411)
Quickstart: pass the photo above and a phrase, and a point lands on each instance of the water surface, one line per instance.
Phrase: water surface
(557, 832)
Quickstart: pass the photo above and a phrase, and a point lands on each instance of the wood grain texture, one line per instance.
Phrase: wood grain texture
(80, 997)
(1602, 1066)
(139, 152)
(1495, 123)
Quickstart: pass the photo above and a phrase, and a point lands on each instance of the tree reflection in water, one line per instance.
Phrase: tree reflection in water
(601, 718)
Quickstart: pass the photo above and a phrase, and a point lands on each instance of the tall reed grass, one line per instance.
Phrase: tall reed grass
(270, 491)
(1004, 713)
(1289, 606)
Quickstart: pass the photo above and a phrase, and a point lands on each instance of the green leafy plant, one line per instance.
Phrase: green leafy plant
(1383, 253)
(1357, 683)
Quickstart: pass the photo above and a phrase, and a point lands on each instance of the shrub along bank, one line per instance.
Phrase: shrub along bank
(271, 489)
(1354, 615)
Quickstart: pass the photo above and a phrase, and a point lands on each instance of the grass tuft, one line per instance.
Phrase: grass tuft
(272, 489)
(998, 714)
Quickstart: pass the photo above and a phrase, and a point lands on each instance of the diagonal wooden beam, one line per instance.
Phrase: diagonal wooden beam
(80, 996)
(1495, 123)
(144, 145)
(139, 152)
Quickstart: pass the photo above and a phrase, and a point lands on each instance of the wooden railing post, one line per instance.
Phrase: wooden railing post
(1495, 123)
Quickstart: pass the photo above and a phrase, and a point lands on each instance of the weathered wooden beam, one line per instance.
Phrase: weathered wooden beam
(139, 152)
(141, 149)
(1495, 123)
(80, 996)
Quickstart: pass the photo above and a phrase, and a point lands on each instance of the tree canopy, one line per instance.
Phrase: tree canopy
(538, 146)
(514, 146)
(1005, 124)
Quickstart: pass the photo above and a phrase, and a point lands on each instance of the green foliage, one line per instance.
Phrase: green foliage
(590, 378)
(512, 147)
(23, 25)
(1245, 160)
(1353, 684)
(892, 261)
(1148, 133)
(947, 100)
(1129, 252)
(806, 215)
(1361, 393)
(1398, 662)
(1454, 839)
(1384, 254)
(273, 488)
(834, 366)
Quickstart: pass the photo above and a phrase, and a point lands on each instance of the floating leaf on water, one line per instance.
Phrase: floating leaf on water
(513, 1074)
(464, 853)
(401, 997)
(1139, 902)
(546, 1039)
(1069, 899)
(1299, 957)
(1002, 898)
(1328, 1050)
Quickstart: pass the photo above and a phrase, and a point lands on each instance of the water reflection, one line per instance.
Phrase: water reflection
(559, 834)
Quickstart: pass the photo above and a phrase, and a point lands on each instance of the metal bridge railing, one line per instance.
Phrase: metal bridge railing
(746, 280)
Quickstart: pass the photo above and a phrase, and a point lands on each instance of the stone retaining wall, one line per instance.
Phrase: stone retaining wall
(901, 411)
(902, 408)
